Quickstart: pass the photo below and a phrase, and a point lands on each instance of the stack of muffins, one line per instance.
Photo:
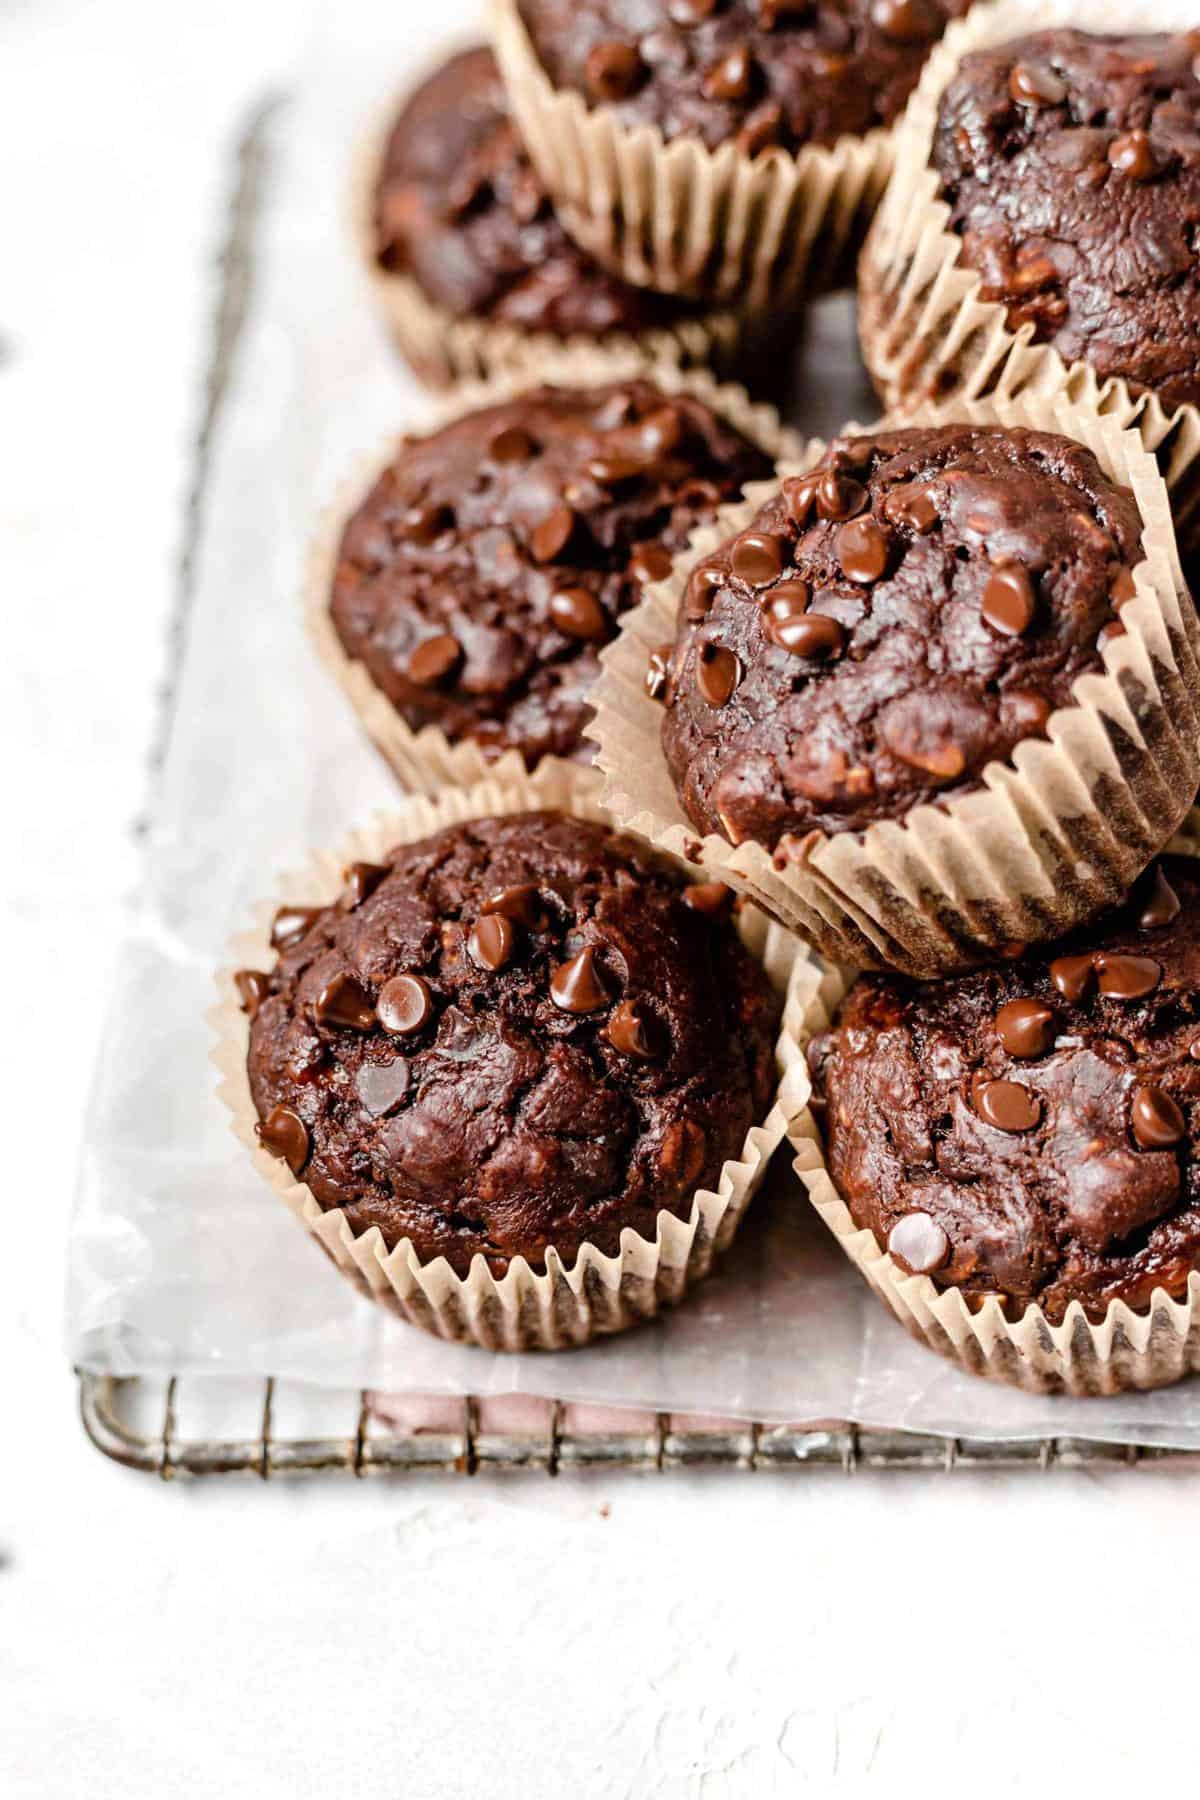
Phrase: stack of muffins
(760, 787)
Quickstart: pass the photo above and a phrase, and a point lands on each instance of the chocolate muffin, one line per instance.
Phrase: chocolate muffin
(760, 74)
(459, 209)
(521, 1032)
(1031, 1131)
(1071, 166)
(887, 625)
(490, 561)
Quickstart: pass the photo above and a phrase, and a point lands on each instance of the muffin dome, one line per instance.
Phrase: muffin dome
(1030, 1131)
(1071, 166)
(521, 1032)
(888, 624)
(489, 562)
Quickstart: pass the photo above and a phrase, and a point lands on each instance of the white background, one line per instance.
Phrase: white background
(741, 1635)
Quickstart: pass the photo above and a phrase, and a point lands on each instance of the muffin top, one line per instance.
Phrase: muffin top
(1031, 1130)
(1071, 165)
(888, 624)
(489, 562)
(458, 208)
(761, 74)
(516, 1033)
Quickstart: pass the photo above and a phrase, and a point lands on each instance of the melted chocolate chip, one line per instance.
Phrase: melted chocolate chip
(786, 601)
(512, 445)
(362, 878)
(702, 589)
(658, 672)
(493, 941)
(523, 904)
(757, 558)
(731, 78)
(907, 21)
(1161, 904)
(551, 535)
(1036, 84)
(1008, 600)
(1132, 155)
(840, 496)
(919, 1243)
(1127, 977)
(1025, 1028)
(577, 987)
(1155, 1119)
(405, 1005)
(425, 524)
(650, 562)
(285, 1135)
(252, 989)
(382, 1086)
(1073, 976)
(1007, 1105)
(711, 898)
(808, 634)
(862, 550)
(291, 924)
(613, 70)
(578, 614)
(913, 507)
(344, 1002)
(633, 1030)
(434, 660)
(799, 495)
(717, 674)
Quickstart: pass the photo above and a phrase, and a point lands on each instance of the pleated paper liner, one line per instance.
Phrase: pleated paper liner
(1047, 839)
(926, 332)
(523, 1310)
(677, 216)
(443, 349)
(426, 760)
(1126, 1349)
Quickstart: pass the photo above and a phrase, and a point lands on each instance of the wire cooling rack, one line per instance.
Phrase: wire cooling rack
(138, 1421)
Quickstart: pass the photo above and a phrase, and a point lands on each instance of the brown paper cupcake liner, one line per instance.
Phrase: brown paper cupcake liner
(1046, 840)
(677, 216)
(928, 335)
(426, 761)
(522, 1310)
(1126, 1349)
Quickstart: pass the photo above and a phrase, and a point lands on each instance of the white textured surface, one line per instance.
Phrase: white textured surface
(710, 1635)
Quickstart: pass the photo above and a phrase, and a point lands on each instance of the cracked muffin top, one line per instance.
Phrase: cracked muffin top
(521, 1032)
(1071, 166)
(1031, 1131)
(888, 624)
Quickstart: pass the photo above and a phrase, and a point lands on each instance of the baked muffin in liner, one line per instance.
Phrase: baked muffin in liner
(522, 1310)
(677, 216)
(426, 760)
(1126, 1349)
(927, 335)
(1046, 840)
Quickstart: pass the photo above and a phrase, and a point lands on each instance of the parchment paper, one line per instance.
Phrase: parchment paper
(263, 761)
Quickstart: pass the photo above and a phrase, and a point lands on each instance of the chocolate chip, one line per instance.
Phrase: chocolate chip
(285, 1135)
(1036, 84)
(291, 924)
(611, 471)
(1008, 600)
(808, 634)
(945, 762)
(382, 1086)
(762, 130)
(658, 672)
(523, 904)
(634, 1031)
(1073, 976)
(702, 589)
(1025, 1028)
(1155, 1120)
(710, 898)
(1007, 1105)
(907, 21)
(345, 1003)
(424, 524)
(660, 432)
(551, 535)
(914, 507)
(362, 878)
(405, 1005)
(786, 601)
(514, 444)
(578, 614)
(718, 672)
(434, 659)
(576, 986)
(252, 989)
(731, 78)
(684, 1148)
(1132, 154)
(650, 562)
(1127, 977)
(799, 495)
(862, 550)
(1161, 903)
(919, 1243)
(757, 557)
(1029, 712)
(613, 70)
(493, 941)
(840, 496)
